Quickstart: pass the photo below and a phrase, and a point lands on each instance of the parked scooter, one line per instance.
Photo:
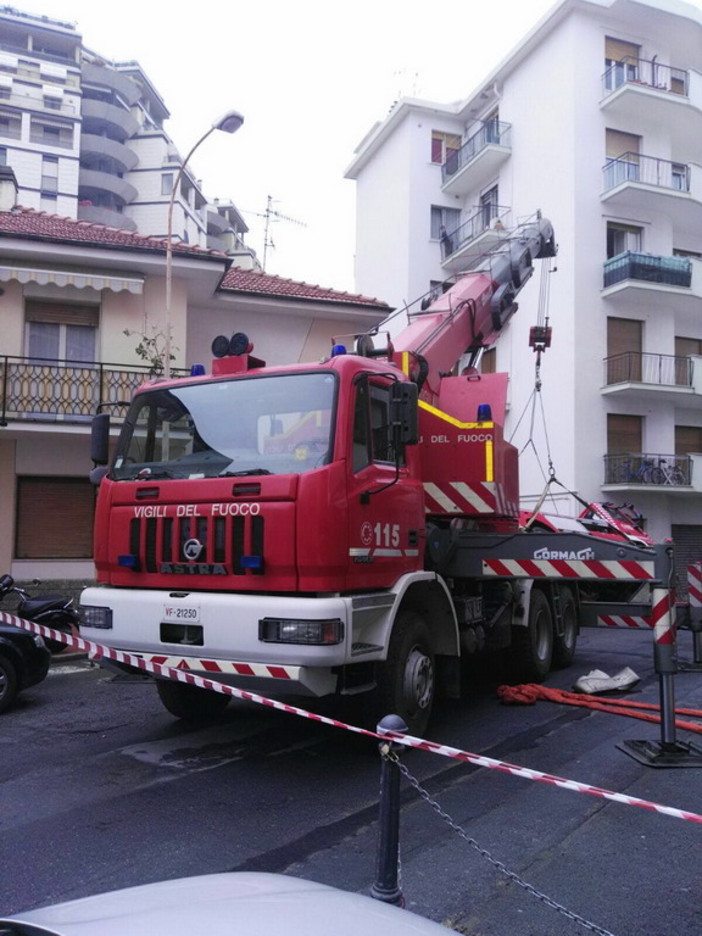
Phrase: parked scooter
(54, 611)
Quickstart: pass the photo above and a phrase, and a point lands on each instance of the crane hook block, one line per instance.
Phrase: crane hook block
(540, 337)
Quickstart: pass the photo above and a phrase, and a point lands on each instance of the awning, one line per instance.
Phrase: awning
(76, 278)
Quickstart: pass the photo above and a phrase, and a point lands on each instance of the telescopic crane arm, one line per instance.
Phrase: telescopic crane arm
(471, 313)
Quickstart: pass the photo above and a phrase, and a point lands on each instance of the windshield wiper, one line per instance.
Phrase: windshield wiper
(244, 473)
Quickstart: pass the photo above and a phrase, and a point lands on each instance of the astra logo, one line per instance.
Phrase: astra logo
(581, 554)
(192, 549)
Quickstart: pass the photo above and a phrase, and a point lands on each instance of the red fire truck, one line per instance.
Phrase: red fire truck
(345, 527)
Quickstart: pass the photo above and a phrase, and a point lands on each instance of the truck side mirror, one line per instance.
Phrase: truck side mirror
(404, 413)
(100, 438)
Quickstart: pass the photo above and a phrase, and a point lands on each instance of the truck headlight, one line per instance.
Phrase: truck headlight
(95, 616)
(295, 631)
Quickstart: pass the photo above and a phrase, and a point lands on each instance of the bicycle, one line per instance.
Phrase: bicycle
(634, 471)
(664, 473)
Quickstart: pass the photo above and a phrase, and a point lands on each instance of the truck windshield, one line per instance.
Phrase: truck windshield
(227, 428)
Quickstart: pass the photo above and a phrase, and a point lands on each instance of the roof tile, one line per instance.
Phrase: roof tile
(238, 279)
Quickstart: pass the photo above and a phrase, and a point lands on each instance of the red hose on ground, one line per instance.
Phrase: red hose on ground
(530, 693)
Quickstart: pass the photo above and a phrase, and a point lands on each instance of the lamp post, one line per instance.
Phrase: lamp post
(229, 123)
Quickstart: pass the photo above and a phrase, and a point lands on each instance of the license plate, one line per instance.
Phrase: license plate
(183, 614)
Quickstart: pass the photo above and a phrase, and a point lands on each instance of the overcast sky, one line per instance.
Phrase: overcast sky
(310, 77)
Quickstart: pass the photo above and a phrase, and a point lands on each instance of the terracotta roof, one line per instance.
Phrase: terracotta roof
(263, 284)
(39, 225)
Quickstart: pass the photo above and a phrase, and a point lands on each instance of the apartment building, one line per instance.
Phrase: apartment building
(596, 120)
(85, 137)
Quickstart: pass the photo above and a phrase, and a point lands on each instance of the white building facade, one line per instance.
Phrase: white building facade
(596, 120)
(85, 138)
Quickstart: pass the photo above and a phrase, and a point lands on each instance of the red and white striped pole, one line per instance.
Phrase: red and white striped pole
(694, 597)
(669, 752)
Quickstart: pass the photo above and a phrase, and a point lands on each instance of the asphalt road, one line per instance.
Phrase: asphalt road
(100, 788)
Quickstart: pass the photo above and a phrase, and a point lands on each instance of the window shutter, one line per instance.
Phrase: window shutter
(616, 50)
(54, 518)
(61, 314)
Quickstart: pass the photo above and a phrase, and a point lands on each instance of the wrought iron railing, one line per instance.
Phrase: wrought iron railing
(670, 271)
(495, 217)
(42, 390)
(635, 167)
(652, 470)
(636, 367)
(492, 131)
(646, 72)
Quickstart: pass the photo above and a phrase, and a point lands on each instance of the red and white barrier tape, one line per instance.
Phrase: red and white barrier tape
(120, 656)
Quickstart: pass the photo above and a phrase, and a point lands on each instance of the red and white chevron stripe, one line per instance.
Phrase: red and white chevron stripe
(569, 568)
(196, 664)
(527, 773)
(623, 620)
(662, 617)
(694, 584)
(459, 497)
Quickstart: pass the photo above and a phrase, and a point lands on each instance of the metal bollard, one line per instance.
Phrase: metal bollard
(694, 615)
(386, 886)
(669, 752)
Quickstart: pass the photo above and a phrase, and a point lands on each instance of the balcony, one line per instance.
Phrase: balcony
(99, 115)
(66, 107)
(92, 180)
(637, 376)
(637, 470)
(102, 76)
(633, 182)
(643, 91)
(467, 246)
(478, 160)
(653, 282)
(41, 390)
(99, 214)
(122, 157)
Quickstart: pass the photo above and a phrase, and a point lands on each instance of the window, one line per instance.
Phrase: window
(51, 132)
(372, 428)
(166, 183)
(688, 439)
(679, 177)
(624, 344)
(54, 518)
(49, 174)
(444, 146)
(448, 218)
(624, 434)
(622, 237)
(489, 206)
(3, 156)
(61, 332)
(623, 164)
(621, 62)
(10, 125)
(48, 203)
(488, 362)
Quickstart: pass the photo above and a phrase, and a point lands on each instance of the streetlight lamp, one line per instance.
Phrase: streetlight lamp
(229, 123)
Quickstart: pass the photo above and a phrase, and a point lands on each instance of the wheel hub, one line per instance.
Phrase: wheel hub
(418, 684)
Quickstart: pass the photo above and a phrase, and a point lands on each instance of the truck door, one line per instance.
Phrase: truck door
(386, 502)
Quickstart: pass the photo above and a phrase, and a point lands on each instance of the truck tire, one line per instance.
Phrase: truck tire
(8, 683)
(531, 653)
(190, 702)
(406, 681)
(564, 646)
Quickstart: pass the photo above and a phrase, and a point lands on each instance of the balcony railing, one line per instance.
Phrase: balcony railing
(42, 390)
(487, 217)
(670, 271)
(652, 470)
(649, 73)
(665, 370)
(494, 131)
(649, 170)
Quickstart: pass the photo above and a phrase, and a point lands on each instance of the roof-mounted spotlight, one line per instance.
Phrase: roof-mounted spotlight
(220, 346)
(240, 344)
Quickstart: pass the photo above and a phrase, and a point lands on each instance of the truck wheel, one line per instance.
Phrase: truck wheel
(406, 680)
(8, 683)
(531, 652)
(564, 647)
(190, 702)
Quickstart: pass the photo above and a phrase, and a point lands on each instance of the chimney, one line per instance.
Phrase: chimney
(8, 189)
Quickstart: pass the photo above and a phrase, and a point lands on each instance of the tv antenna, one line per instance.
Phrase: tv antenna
(271, 215)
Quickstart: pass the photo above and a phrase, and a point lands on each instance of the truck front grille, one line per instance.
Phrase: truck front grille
(236, 543)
